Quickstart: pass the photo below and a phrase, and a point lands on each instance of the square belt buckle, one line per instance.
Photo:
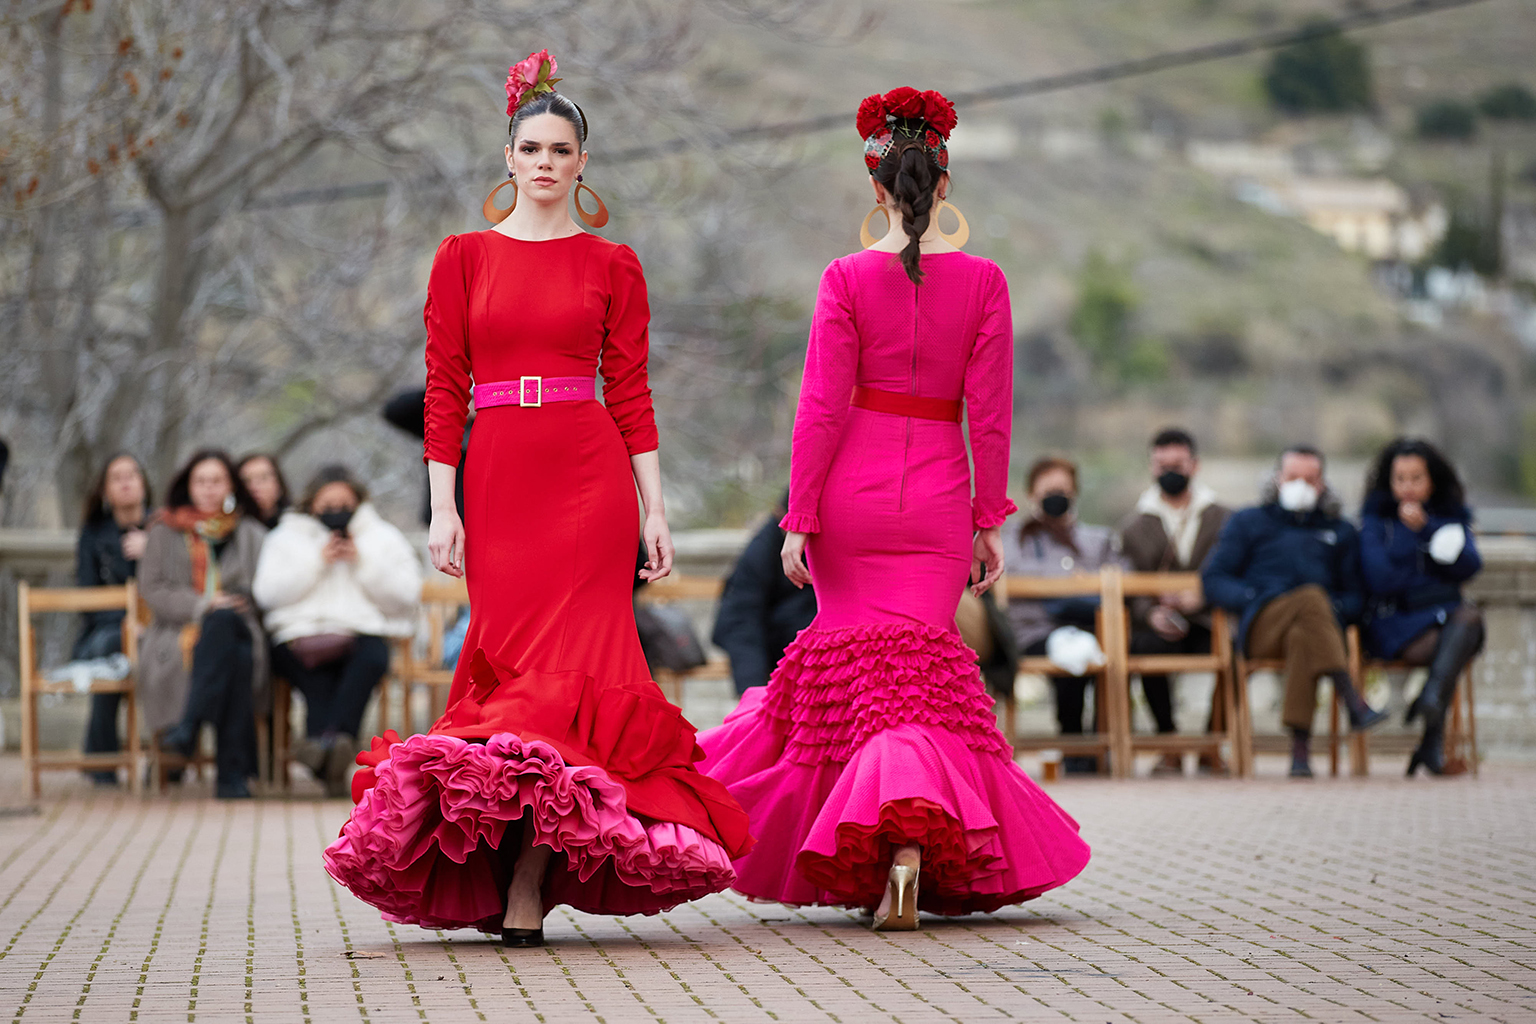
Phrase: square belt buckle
(538, 392)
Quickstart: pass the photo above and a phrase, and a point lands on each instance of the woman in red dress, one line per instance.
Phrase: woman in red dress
(558, 773)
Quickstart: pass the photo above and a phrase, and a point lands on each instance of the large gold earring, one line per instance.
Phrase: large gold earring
(494, 213)
(593, 220)
(864, 236)
(961, 234)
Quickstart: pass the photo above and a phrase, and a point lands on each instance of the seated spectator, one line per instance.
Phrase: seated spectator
(761, 611)
(264, 481)
(1173, 529)
(1051, 542)
(107, 555)
(1416, 550)
(1290, 569)
(204, 657)
(334, 580)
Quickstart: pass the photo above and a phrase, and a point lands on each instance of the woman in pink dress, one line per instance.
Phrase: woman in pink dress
(871, 766)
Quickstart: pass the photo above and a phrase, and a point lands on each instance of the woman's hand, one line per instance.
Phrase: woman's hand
(658, 547)
(133, 544)
(445, 541)
(339, 549)
(1413, 516)
(987, 568)
(792, 554)
(224, 599)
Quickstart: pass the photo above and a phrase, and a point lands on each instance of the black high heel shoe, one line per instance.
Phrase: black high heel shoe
(1430, 753)
(522, 938)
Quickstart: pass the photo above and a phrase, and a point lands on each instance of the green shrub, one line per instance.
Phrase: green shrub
(1511, 101)
(1446, 119)
(1326, 73)
(1102, 323)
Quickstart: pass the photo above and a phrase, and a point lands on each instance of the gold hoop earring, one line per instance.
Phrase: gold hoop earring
(593, 220)
(961, 234)
(865, 237)
(494, 213)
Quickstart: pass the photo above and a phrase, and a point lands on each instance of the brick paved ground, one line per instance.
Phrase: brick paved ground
(1373, 900)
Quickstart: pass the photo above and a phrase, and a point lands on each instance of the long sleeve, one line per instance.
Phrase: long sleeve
(1389, 555)
(1222, 577)
(626, 348)
(289, 567)
(831, 370)
(448, 374)
(173, 601)
(989, 406)
(1348, 592)
(387, 569)
(1468, 564)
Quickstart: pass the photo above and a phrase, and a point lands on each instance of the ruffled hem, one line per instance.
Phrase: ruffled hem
(985, 518)
(836, 688)
(826, 832)
(800, 522)
(423, 843)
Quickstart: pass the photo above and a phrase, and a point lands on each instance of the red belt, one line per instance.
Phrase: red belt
(534, 391)
(897, 404)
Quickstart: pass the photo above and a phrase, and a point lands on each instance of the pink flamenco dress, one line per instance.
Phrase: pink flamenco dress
(876, 730)
(553, 721)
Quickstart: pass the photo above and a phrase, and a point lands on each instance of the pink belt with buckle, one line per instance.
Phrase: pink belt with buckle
(532, 392)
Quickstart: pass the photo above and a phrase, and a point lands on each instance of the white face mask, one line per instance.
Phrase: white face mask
(1298, 496)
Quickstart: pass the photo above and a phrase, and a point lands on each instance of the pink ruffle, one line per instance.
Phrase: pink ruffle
(825, 831)
(983, 518)
(836, 688)
(800, 522)
(422, 843)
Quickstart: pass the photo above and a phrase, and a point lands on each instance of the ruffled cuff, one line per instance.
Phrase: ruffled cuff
(983, 518)
(800, 522)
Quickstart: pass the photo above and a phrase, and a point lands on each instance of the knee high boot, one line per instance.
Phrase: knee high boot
(1459, 641)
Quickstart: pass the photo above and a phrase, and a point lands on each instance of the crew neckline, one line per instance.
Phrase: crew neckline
(536, 241)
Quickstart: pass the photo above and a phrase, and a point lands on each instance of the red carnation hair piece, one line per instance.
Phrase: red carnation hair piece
(906, 103)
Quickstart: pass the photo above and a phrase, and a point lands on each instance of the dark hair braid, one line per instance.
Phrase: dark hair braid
(910, 174)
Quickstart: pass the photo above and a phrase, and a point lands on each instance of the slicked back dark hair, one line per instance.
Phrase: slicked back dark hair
(1174, 435)
(551, 103)
(1303, 449)
(1446, 492)
(179, 494)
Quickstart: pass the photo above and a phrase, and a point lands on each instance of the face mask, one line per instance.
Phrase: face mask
(1298, 496)
(1172, 482)
(336, 520)
(1055, 504)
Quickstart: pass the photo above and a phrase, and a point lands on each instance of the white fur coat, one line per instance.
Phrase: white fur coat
(300, 594)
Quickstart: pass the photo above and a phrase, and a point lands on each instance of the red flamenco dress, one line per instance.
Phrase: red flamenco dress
(553, 719)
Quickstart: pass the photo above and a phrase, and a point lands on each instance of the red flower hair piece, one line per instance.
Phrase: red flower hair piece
(529, 77)
(926, 116)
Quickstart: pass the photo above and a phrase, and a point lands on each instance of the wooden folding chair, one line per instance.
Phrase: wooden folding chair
(1243, 667)
(441, 600)
(1460, 719)
(32, 601)
(1218, 662)
(678, 587)
(1110, 696)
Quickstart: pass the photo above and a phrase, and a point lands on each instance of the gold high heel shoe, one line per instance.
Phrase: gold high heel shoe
(901, 886)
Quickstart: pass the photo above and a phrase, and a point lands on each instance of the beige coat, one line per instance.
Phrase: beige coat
(165, 581)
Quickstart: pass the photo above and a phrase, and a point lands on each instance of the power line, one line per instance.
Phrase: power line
(1274, 39)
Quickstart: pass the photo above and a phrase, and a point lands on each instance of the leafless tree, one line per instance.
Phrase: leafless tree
(165, 278)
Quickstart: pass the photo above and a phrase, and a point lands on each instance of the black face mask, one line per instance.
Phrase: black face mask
(336, 520)
(1172, 482)
(1055, 504)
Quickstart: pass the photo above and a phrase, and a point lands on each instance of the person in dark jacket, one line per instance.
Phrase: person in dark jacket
(1416, 550)
(107, 555)
(760, 610)
(407, 411)
(1290, 568)
(1173, 529)
(264, 481)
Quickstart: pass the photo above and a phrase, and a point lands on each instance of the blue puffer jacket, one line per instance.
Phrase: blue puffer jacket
(1264, 552)
(1407, 592)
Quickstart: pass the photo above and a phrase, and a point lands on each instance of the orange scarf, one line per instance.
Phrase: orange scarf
(200, 528)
